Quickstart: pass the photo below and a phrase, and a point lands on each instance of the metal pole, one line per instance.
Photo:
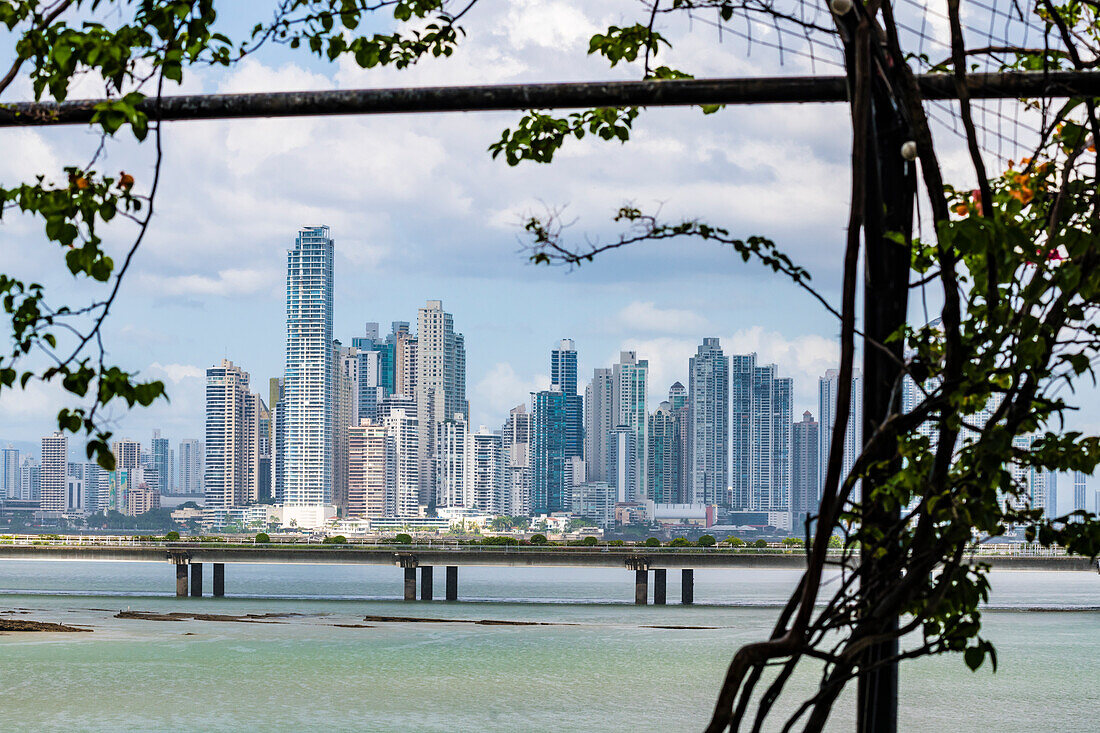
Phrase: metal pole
(668, 93)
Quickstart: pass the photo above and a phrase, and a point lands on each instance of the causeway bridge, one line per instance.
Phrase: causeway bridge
(188, 559)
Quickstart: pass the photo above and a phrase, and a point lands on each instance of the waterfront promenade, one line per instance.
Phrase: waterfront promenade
(188, 557)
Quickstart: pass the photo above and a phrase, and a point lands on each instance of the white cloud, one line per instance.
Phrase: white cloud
(227, 283)
(177, 372)
(647, 317)
(501, 389)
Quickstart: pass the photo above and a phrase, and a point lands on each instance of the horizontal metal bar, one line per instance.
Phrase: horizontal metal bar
(669, 93)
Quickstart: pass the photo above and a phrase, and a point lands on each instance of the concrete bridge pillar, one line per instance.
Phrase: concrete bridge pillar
(641, 587)
(687, 586)
(219, 579)
(410, 583)
(181, 580)
(426, 582)
(660, 579)
(196, 580)
(452, 582)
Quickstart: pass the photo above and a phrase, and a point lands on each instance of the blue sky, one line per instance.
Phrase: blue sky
(419, 211)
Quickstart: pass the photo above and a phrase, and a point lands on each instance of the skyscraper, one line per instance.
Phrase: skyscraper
(597, 423)
(516, 445)
(708, 426)
(826, 406)
(486, 472)
(548, 452)
(452, 446)
(805, 488)
(630, 378)
(9, 473)
(665, 460)
(309, 384)
(622, 463)
(161, 459)
(440, 384)
(563, 373)
(232, 438)
(127, 454)
(681, 415)
(1079, 491)
(344, 415)
(367, 470)
(760, 436)
(402, 461)
(54, 471)
(190, 466)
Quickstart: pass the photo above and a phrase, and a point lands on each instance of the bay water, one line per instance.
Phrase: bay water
(596, 662)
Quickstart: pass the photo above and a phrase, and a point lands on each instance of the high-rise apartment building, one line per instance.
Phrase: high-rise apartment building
(665, 459)
(54, 471)
(127, 454)
(516, 445)
(597, 423)
(93, 483)
(190, 459)
(622, 463)
(805, 486)
(402, 461)
(486, 471)
(630, 380)
(681, 414)
(309, 383)
(161, 458)
(708, 427)
(563, 374)
(344, 416)
(30, 479)
(548, 452)
(367, 470)
(760, 436)
(451, 460)
(828, 386)
(9, 473)
(231, 476)
(440, 384)
(1079, 491)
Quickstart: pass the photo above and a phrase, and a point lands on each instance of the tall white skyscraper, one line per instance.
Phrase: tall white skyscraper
(629, 381)
(440, 384)
(826, 407)
(54, 471)
(486, 472)
(452, 457)
(310, 379)
(127, 454)
(161, 459)
(367, 469)
(402, 461)
(232, 438)
(708, 424)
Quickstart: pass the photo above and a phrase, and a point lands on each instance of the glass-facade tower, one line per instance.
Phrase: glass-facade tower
(308, 386)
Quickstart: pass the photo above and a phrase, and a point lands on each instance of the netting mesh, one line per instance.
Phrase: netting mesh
(801, 36)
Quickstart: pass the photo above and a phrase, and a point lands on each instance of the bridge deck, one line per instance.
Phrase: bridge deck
(613, 557)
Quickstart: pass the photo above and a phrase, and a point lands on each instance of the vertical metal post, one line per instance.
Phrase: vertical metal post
(410, 583)
(452, 582)
(181, 579)
(196, 580)
(426, 582)
(219, 579)
(660, 580)
(687, 586)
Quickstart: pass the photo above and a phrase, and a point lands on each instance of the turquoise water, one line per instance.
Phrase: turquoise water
(599, 667)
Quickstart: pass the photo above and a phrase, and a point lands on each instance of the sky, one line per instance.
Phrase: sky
(420, 211)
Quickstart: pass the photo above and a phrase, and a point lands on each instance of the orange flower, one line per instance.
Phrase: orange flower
(125, 180)
(81, 182)
(962, 209)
